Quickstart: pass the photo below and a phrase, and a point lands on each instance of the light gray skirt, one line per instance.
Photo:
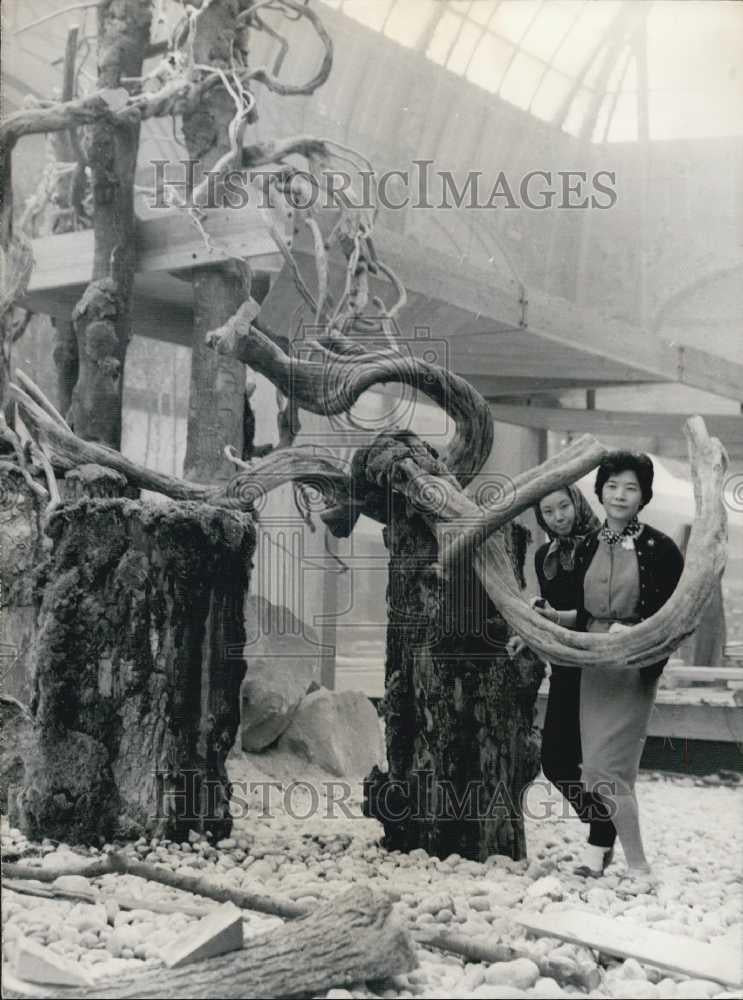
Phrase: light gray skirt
(615, 710)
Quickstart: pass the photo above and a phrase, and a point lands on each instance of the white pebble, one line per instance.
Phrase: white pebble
(521, 972)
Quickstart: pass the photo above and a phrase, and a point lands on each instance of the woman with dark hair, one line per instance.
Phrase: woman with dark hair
(627, 572)
(566, 518)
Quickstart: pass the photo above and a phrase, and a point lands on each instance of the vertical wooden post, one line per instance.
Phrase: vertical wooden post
(217, 392)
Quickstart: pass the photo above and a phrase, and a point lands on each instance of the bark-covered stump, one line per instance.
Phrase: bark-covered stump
(138, 665)
(22, 543)
(15, 734)
(459, 712)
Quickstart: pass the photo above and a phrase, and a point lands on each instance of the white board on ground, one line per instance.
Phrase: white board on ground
(624, 939)
(216, 934)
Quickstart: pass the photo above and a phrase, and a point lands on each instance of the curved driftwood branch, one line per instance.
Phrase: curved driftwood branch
(331, 381)
(313, 467)
(408, 466)
(658, 636)
(267, 78)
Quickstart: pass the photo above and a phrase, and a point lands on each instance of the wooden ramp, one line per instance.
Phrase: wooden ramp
(722, 963)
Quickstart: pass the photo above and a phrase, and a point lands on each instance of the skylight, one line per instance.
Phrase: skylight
(576, 62)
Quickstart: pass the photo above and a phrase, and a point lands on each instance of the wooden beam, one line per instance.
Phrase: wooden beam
(562, 322)
(727, 427)
(544, 320)
(692, 714)
(620, 937)
(169, 242)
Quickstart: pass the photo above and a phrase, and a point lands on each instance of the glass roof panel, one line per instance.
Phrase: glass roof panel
(464, 46)
(522, 80)
(372, 13)
(550, 27)
(579, 43)
(481, 11)
(577, 111)
(490, 62)
(513, 17)
(406, 23)
(623, 124)
(534, 51)
(444, 34)
(553, 90)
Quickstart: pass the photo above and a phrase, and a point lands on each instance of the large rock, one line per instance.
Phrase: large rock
(337, 730)
(283, 657)
(15, 733)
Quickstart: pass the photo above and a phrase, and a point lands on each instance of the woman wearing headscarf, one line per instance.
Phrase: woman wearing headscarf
(627, 571)
(566, 518)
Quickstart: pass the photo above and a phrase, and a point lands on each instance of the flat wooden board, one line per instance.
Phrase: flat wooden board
(622, 938)
(169, 241)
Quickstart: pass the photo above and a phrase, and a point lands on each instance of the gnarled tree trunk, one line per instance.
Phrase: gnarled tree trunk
(102, 317)
(217, 391)
(459, 712)
(138, 665)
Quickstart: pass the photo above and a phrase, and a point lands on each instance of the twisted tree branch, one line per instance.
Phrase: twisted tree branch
(330, 383)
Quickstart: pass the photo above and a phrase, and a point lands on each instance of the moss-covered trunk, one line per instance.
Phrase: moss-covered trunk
(460, 743)
(138, 665)
(22, 544)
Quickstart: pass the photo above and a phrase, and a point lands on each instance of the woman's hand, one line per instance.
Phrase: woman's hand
(545, 609)
(619, 627)
(515, 645)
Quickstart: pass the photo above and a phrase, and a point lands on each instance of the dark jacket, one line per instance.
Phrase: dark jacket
(564, 590)
(659, 563)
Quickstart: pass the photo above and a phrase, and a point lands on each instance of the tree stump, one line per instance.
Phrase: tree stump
(459, 712)
(15, 733)
(138, 665)
(22, 543)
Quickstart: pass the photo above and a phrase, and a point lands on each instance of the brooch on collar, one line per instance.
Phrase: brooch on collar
(627, 543)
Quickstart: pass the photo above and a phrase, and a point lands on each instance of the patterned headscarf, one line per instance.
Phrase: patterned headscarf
(562, 548)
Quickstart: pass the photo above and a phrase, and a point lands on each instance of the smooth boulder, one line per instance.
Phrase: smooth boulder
(338, 731)
(283, 658)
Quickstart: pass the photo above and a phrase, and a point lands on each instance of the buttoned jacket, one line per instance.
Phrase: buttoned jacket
(659, 564)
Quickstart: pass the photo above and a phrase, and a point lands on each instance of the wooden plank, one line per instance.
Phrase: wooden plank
(168, 242)
(37, 964)
(546, 320)
(682, 719)
(216, 934)
(560, 321)
(622, 938)
(728, 427)
(711, 675)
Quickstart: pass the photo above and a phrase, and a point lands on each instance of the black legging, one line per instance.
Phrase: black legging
(561, 755)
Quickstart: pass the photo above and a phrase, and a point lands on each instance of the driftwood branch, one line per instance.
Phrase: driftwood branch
(330, 383)
(269, 79)
(246, 490)
(408, 467)
(397, 462)
(351, 939)
(121, 864)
